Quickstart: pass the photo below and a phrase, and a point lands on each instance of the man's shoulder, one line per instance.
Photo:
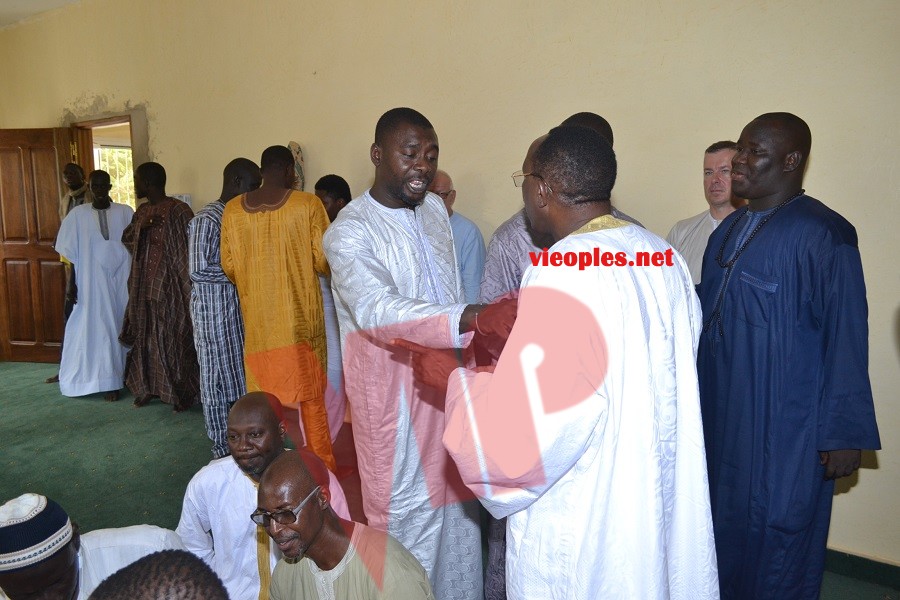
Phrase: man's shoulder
(462, 222)
(212, 212)
(513, 224)
(815, 215)
(147, 536)
(219, 472)
(691, 221)
(304, 199)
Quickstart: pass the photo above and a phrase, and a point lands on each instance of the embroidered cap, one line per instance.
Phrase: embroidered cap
(32, 529)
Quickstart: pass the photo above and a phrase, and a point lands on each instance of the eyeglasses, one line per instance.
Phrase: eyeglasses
(282, 517)
(519, 178)
(444, 195)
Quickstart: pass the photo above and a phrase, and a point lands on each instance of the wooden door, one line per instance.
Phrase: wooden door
(32, 280)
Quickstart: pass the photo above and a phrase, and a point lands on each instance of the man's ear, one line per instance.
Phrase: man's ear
(793, 161)
(324, 497)
(375, 154)
(281, 430)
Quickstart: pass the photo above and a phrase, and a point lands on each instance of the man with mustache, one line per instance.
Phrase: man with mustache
(394, 275)
(214, 524)
(326, 556)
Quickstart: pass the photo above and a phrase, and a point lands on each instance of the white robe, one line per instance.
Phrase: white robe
(611, 500)
(394, 275)
(335, 396)
(93, 359)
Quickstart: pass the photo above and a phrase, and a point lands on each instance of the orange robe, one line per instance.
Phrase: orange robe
(274, 257)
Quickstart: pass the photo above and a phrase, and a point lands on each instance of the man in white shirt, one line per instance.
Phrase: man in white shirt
(689, 236)
(587, 433)
(393, 275)
(215, 520)
(43, 555)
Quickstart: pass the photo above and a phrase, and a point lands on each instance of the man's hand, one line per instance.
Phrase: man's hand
(840, 463)
(431, 367)
(497, 319)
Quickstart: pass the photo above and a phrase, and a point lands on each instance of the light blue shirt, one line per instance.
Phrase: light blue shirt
(470, 251)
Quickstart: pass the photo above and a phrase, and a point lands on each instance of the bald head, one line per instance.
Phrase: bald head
(239, 177)
(259, 406)
(442, 185)
(790, 130)
(288, 470)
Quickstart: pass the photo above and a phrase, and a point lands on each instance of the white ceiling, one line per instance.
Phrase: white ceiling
(13, 11)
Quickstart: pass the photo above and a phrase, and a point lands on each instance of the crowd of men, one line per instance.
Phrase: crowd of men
(618, 431)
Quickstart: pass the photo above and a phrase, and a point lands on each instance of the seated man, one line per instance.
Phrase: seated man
(327, 556)
(42, 554)
(172, 574)
(214, 523)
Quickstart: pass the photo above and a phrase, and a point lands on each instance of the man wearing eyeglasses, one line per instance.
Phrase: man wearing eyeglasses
(587, 433)
(214, 524)
(326, 556)
(467, 239)
(509, 248)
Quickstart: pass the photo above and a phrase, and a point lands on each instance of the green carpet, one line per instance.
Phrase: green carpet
(111, 465)
(107, 463)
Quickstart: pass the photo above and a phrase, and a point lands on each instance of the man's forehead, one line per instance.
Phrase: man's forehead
(408, 134)
(719, 157)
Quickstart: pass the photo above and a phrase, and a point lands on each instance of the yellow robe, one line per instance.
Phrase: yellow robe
(274, 256)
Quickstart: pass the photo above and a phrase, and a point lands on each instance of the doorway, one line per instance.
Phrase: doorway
(112, 153)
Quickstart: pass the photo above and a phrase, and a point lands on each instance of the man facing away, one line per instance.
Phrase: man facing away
(587, 434)
(783, 368)
(90, 238)
(272, 251)
(467, 239)
(394, 275)
(325, 556)
(215, 309)
(42, 554)
(334, 192)
(689, 236)
(162, 361)
(512, 242)
(214, 521)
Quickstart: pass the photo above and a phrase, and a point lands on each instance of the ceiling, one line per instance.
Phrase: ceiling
(13, 11)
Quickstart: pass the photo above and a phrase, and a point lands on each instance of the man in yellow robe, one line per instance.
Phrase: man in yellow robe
(272, 251)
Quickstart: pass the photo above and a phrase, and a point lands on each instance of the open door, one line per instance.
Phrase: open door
(32, 281)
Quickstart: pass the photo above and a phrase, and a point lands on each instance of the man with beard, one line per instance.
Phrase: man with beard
(326, 556)
(783, 368)
(219, 498)
(394, 275)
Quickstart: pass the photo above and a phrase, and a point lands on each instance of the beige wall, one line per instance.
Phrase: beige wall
(218, 80)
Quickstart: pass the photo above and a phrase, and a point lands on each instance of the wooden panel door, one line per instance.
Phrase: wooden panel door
(32, 280)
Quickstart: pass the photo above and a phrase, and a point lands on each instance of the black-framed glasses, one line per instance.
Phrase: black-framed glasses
(519, 178)
(282, 517)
